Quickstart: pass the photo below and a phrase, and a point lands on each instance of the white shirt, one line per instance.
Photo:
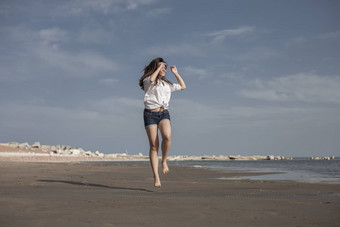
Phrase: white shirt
(158, 95)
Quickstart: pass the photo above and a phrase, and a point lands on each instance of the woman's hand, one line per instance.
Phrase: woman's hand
(173, 69)
(178, 77)
(161, 65)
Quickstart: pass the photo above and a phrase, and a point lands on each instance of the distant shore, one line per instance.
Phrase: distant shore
(14, 151)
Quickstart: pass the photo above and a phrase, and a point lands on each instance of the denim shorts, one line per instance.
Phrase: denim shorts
(154, 118)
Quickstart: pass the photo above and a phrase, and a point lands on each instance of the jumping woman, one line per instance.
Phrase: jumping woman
(156, 113)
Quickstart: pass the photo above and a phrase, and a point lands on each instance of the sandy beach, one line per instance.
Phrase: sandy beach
(75, 194)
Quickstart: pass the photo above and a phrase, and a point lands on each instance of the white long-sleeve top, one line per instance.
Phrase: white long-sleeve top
(158, 95)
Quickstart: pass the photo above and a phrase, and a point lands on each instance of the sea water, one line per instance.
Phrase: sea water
(299, 169)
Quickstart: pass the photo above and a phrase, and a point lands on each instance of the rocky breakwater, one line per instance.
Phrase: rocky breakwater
(51, 150)
(15, 151)
(229, 157)
(323, 158)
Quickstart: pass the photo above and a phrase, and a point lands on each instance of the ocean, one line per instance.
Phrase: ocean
(299, 169)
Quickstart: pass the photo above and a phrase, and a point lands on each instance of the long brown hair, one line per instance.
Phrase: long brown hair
(151, 68)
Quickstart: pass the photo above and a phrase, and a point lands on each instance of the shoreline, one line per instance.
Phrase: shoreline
(247, 173)
(54, 194)
(38, 155)
(14, 152)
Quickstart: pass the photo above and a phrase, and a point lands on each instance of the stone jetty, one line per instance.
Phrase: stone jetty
(37, 152)
(52, 150)
(229, 157)
(37, 149)
(322, 158)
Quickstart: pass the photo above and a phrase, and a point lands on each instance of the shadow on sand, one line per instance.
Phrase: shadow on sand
(94, 185)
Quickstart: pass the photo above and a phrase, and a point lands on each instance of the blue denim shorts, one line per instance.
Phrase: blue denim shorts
(153, 118)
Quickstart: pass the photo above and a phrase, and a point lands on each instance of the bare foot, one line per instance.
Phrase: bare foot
(165, 168)
(157, 182)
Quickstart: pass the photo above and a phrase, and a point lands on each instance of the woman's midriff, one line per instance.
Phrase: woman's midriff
(160, 109)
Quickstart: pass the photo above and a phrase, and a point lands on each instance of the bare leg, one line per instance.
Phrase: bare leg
(165, 129)
(152, 133)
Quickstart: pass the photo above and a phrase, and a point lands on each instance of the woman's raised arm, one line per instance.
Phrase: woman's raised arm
(155, 74)
(178, 77)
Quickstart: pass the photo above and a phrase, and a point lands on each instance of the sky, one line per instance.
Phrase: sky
(263, 77)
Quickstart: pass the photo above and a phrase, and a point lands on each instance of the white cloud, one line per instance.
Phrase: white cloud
(330, 35)
(204, 111)
(40, 53)
(134, 4)
(117, 111)
(95, 35)
(104, 6)
(267, 128)
(108, 82)
(172, 49)
(196, 119)
(159, 11)
(116, 105)
(296, 40)
(43, 46)
(259, 53)
(195, 72)
(302, 39)
(223, 34)
(299, 87)
(53, 35)
(234, 75)
(81, 64)
(83, 124)
(34, 113)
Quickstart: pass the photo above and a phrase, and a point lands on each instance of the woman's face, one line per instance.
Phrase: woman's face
(163, 70)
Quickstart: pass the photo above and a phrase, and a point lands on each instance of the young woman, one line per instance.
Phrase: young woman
(156, 114)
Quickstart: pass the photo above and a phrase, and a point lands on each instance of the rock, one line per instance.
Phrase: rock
(321, 158)
(97, 153)
(13, 144)
(36, 145)
(88, 153)
(58, 152)
(53, 148)
(54, 151)
(233, 157)
(24, 145)
(75, 152)
(223, 157)
(213, 157)
(112, 155)
(277, 158)
(66, 147)
(140, 154)
(270, 157)
(46, 147)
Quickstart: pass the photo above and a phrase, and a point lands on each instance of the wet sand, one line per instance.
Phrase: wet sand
(73, 194)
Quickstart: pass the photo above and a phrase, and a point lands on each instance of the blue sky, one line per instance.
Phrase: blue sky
(263, 77)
